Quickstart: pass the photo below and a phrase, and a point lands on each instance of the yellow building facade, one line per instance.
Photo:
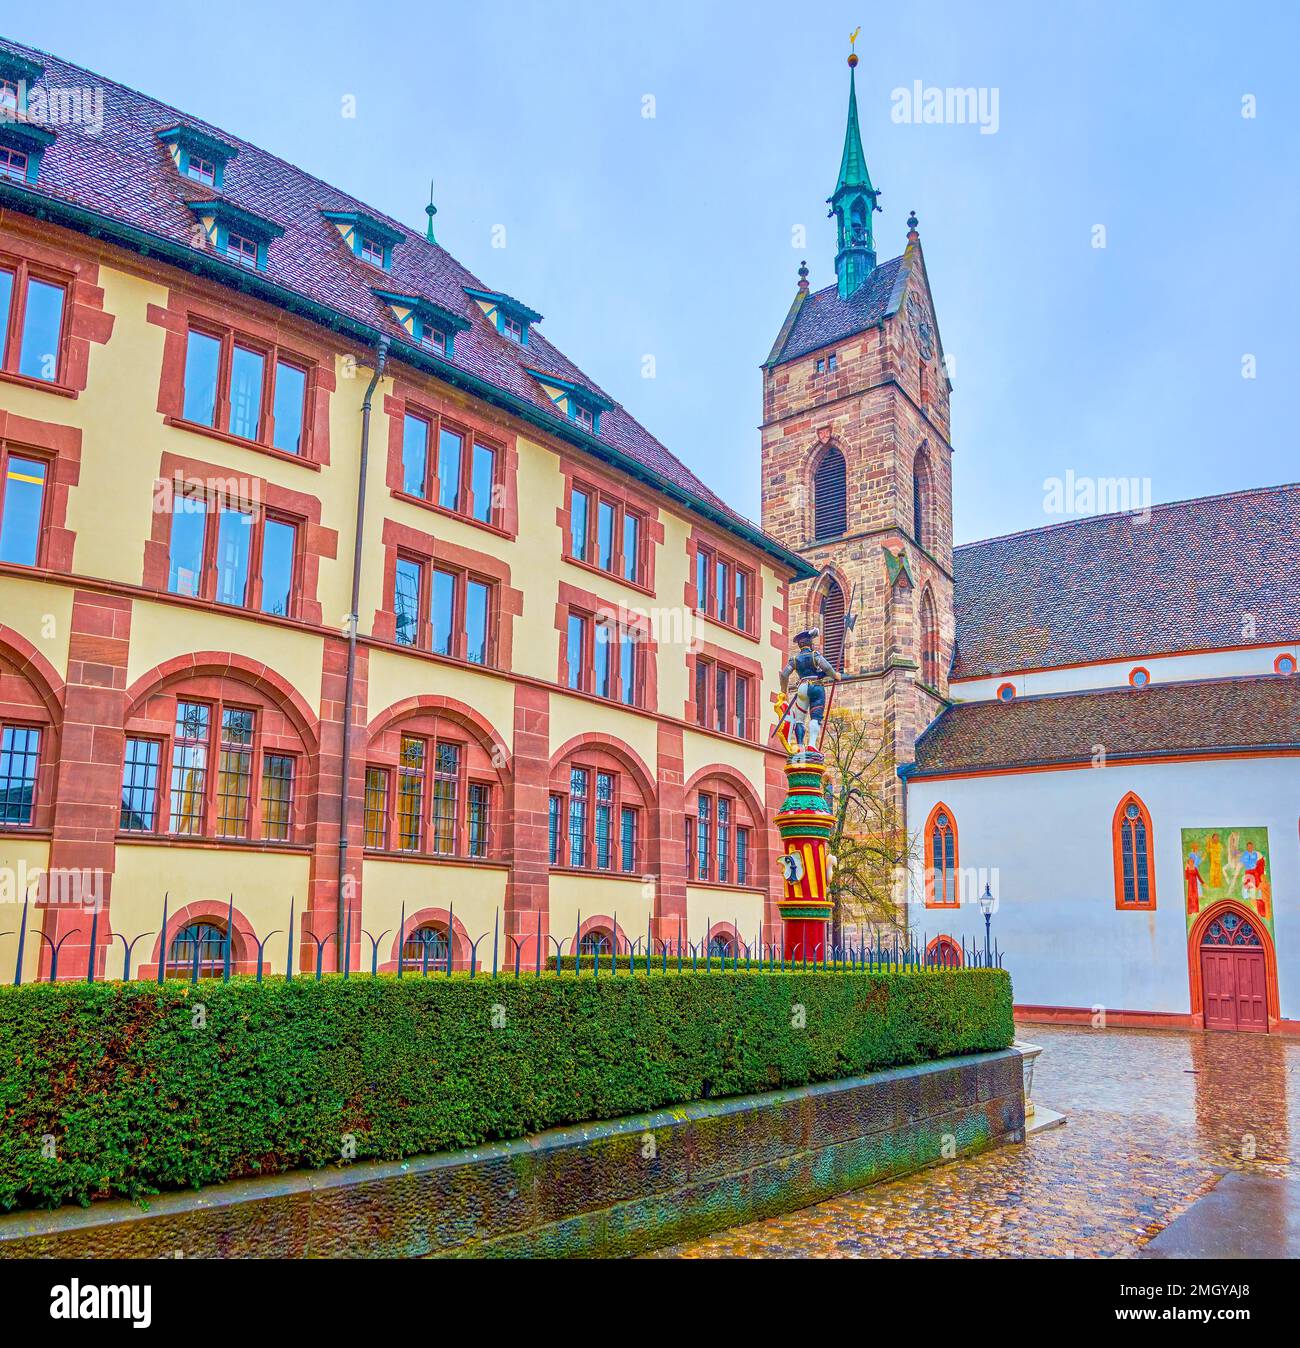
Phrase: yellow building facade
(231, 398)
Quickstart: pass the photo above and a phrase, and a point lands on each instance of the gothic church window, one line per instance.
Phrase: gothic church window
(940, 853)
(929, 642)
(831, 621)
(1135, 872)
(830, 495)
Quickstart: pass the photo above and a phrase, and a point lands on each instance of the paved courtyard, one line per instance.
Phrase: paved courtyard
(1155, 1118)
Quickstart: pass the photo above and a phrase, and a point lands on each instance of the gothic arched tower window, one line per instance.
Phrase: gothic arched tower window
(830, 495)
(929, 641)
(831, 621)
(922, 498)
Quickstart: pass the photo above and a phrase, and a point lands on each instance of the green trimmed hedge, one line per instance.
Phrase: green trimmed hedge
(144, 1087)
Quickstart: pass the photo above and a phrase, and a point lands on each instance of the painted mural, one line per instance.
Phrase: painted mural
(1227, 863)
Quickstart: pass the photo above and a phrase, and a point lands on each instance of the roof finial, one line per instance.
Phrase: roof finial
(803, 276)
(912, 235)
(430, 210)
(853, 37)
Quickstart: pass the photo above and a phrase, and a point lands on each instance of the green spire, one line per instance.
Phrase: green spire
(853, 202)
(430, 210)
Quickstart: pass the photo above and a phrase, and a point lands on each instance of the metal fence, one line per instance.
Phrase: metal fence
(864, 950)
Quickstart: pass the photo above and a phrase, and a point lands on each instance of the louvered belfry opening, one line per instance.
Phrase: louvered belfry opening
(929, 642)
(830, 496)
(832, 622)
(921, 498)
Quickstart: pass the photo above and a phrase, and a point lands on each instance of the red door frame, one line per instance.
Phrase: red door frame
(1196, 938)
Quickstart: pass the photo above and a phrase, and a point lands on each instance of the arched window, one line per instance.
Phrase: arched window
(201, 941)
(433, 788)
(721, 946)
(929, 641)
(719, 834)
(29, 749)
(921, 499)
(1135, 869)
(215, 757)
(830, 495)
(598, 814)
(944, 952)
(940, 842)
(427, 947)
(597, 941)
(831, 621)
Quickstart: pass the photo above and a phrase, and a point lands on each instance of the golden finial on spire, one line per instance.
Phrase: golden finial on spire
(853, 38)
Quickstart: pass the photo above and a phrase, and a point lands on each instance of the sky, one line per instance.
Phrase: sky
(1112, 255)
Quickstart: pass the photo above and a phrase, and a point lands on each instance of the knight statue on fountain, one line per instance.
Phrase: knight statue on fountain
(800, 718)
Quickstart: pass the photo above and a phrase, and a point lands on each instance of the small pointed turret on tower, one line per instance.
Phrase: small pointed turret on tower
(854, 200)
(430, 210)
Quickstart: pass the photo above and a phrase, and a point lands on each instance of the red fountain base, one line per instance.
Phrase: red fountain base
(805, 939)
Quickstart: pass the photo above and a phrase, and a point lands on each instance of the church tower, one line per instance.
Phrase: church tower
(857, 464)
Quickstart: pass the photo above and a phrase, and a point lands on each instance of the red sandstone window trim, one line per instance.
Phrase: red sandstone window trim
(1287, 659)
(23, 271)
(941, 859)
(704, 838)
(1139, 677)
(1136, 835)
(582, 546)
(7, 450)
(462, 578)
(36, 801)
(625, 795)
(619, 633)
(710, 676)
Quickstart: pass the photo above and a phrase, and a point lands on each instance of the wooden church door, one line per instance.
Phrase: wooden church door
(1233, 978)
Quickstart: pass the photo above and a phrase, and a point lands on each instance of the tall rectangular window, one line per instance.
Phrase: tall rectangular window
(741, 612)
(287, 408)
(476, 622)
(724, 840)
(234, 541)
(415, 455)
(450, 448)
(480, 796)
(722, 701)
(576, 653)
(442, 611)
(410, 793)
(140, 786)
(482, 480)
(189, 782)
(555, 807)
(376, 807)
(604, 820)
(631, 548)
(406, 600)
(627, 840)
(604, 668)
(279, 541)
(605, 536)
(246, 372)
(704, 837)
(446, 787)
(578, 817)
(579, 523)
(740, 724)
(202, 371)
(19, 755)
(702, 670)
(6, 312)
(628, 691)
(277, 796)
(722, 574)
(185, 556)
(742, 856)
(42, 330)
(23, 510)
(703, 590)
(235, 778)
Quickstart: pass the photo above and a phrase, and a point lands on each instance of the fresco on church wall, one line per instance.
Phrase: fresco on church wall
(1227, 863)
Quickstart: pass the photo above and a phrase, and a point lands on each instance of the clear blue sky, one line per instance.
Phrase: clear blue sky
(671, 236)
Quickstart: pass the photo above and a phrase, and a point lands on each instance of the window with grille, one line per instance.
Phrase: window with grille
(446, 782)
(410, 794)
(198, 948)
(140, 785)
(578, 817)
(277, 796)
(830, 495)
(235, 778)
(19, 757)
(376, 807)
(1134, 862)
(941, 868)
(190, 767)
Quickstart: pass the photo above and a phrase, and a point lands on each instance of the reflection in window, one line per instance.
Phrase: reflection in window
(23, 508)
(189, 529)
(278, 542)
(202, 368)
(42, 328)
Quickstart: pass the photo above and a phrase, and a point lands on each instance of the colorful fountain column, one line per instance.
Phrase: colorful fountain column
(805, 823)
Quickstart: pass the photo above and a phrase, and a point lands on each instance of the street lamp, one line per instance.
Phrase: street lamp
(987, 904)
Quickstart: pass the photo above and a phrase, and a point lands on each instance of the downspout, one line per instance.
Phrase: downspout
(381, 360)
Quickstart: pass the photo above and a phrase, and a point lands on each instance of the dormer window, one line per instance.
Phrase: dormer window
(429, 325)
(579, 403)
(242, 250)
(369, 239)
(511, 318)
(198, 156)
(238, 236)
(13, 163)
(202, 171)
(9, 94)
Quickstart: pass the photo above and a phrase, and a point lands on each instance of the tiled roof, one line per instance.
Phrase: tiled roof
(823, 317)
(1195, 575)
(1156, 721)
(126, 175)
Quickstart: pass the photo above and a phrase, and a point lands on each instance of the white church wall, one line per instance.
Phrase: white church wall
(1115, 673)
(1045, 839)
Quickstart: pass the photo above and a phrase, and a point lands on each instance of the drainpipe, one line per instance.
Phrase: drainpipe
(381, 360)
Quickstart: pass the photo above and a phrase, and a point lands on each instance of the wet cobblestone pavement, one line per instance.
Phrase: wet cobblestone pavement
(1154, 1118)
